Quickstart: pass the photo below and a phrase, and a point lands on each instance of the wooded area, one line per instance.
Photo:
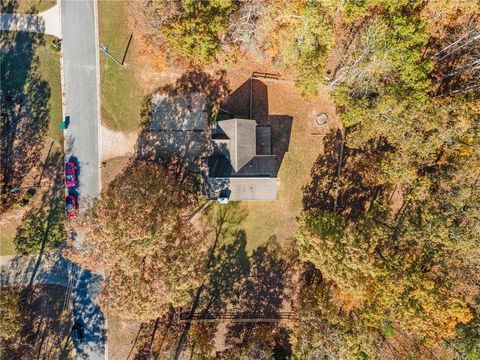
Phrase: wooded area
(389, 237)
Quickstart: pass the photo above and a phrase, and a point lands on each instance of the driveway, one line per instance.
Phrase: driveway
(80, 50)
(48, 269)
(178, 131)
(47, 22)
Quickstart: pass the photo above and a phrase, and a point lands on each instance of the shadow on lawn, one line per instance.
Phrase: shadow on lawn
(42, 227)
(258, 284)
(196, 81)
(263, 292)
(24, 112)
(11, 6)
(237, 282)
(355, 189)
(45, 327)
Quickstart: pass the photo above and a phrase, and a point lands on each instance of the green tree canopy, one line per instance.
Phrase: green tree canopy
(197, 32)
(139, 234)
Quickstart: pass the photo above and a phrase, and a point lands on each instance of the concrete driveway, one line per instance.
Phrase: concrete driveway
(47, 22)
(47, 269)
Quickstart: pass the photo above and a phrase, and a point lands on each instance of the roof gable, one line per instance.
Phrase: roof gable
(242, 145)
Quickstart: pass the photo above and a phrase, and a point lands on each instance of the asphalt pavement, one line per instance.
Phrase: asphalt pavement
(80, 86)
(80, 93)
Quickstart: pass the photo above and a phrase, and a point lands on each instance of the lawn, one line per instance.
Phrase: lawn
(49, 70)
(279, 218)
(31, 72)
(8, 229)
(122, 96)
(28, 6)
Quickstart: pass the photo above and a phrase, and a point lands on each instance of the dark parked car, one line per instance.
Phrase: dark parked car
(77, 331)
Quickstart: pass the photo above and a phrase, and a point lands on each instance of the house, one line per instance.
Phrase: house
(242, 166)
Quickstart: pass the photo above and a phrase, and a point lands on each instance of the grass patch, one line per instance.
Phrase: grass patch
(7, 234)
(49, 70)
(43, 225)
(122, 96)
(27, 6)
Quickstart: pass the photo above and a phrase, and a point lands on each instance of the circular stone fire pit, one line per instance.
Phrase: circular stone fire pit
(321, 119)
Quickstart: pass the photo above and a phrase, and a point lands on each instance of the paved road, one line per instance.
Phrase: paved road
(80, 87)
(52, 268)
(80, 75)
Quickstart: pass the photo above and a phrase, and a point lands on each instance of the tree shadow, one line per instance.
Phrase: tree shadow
(24, 112)
(196, 81)
(87, 312)
(318, 194)
(355, 189)
(456, 69)
(46, 268)
(156, 339)
(42, 227)
(263, 293)
(11, 6)
(259, 285)
(230, 265)
(46, 327)
(176, 122)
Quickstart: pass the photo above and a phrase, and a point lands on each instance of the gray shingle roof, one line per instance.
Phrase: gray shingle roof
(259, 166)
(241, 189)
(240, 142)
(241, 163)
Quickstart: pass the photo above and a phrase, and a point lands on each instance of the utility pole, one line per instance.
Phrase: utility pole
(104, 48)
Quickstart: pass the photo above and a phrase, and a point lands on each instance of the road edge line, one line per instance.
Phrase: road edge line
(99, 114)
(99, 134)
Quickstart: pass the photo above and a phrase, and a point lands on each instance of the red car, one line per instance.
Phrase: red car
(70, 174)
(71, 206)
